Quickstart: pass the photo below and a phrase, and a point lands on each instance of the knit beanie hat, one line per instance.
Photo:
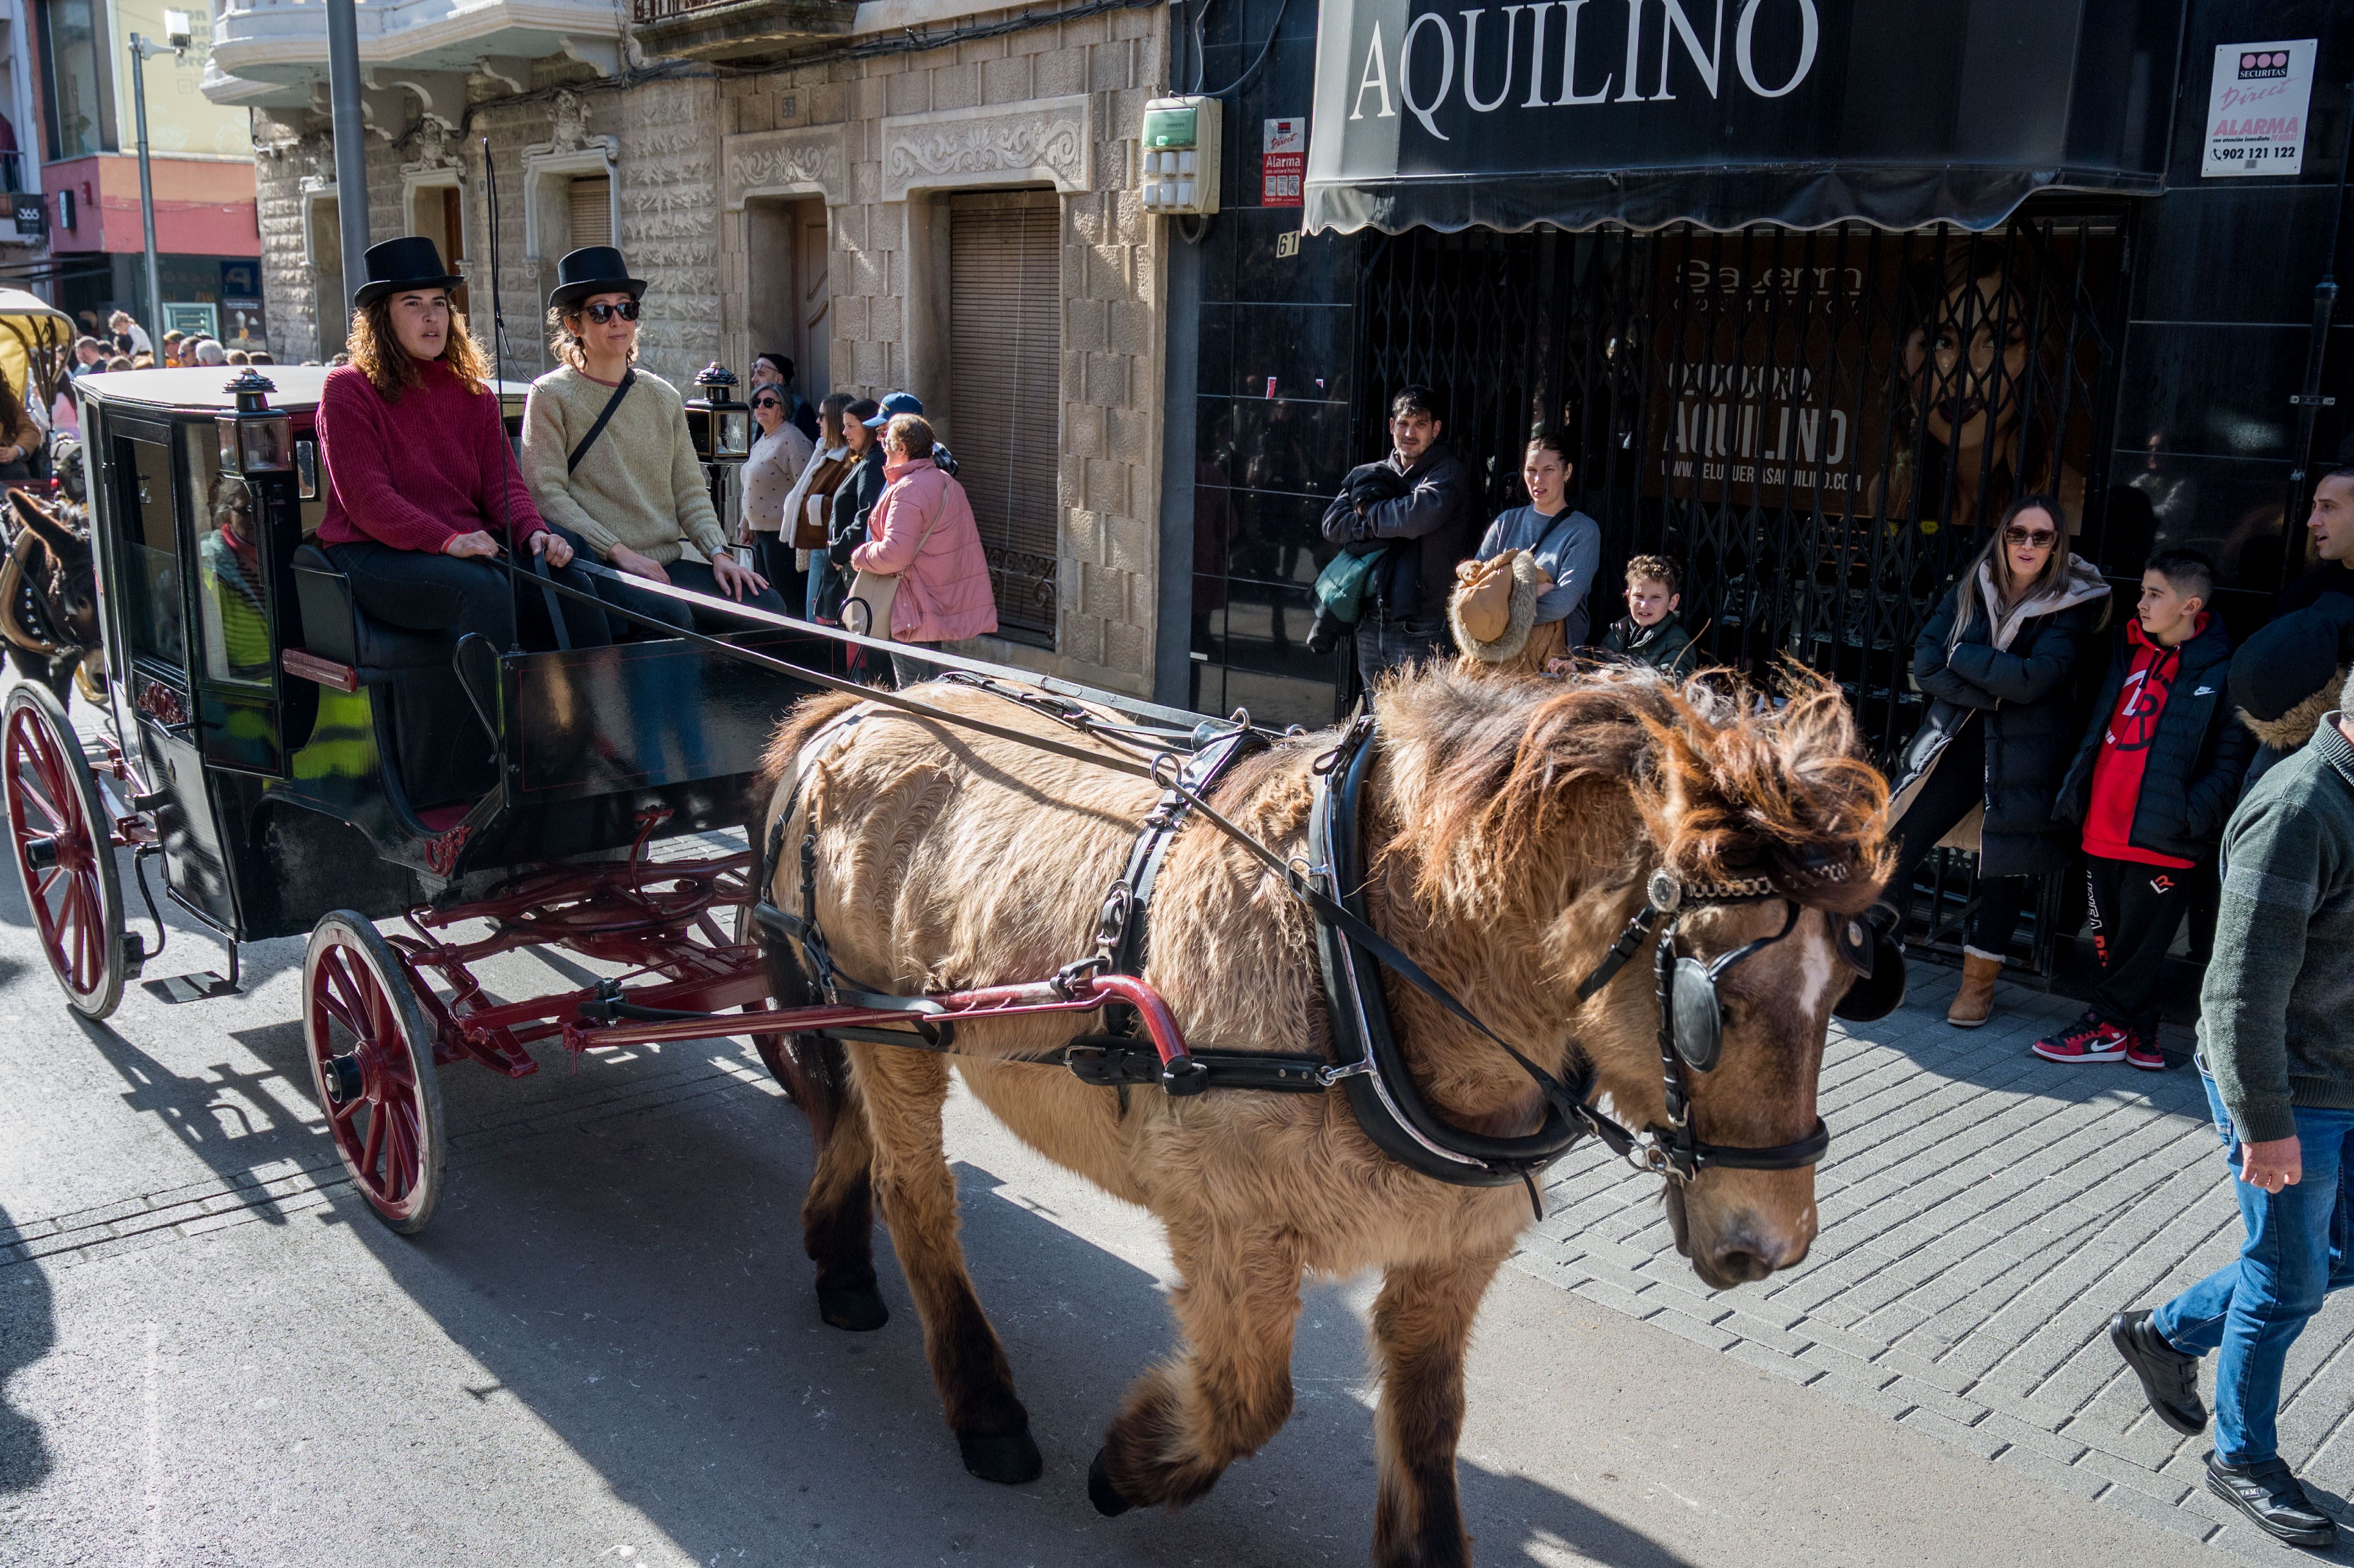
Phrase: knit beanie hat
(2292, 671)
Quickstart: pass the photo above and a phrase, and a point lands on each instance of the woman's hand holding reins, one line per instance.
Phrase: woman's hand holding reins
(636, 565)
(553, 546)
(466, 546)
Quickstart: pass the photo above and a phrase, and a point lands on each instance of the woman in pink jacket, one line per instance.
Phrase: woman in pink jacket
(923, 531)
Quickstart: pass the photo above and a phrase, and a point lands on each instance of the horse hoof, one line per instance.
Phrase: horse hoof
(1009, 1459)
(861, 1311)
(1102, 1493)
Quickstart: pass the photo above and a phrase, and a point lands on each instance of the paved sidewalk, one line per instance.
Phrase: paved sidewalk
(1983, 1213)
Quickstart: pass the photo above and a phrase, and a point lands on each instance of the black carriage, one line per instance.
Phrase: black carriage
(279, 762)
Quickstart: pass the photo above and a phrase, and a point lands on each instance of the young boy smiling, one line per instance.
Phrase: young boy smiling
(2153, 783)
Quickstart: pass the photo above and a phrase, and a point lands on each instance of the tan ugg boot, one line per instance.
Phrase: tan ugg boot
(1974, 1001)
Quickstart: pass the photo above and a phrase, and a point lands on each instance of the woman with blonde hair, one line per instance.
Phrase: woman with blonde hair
(609, 458)
(422, 490)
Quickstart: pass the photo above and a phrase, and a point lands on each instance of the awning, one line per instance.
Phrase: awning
(1728, 112)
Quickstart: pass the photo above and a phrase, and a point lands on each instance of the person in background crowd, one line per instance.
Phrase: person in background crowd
(2330, 530)
(808, 509)
(2154, 783)
(421, 481)
(118, 362)
(1649, 632)
(89, 356)
(238, 357)
(20, 436)
(143, 362)
(207, 353)
(862, 486)
(1998, 660)
(1404, 619)
(770, 476)
(2276, 1059)
(777, 370)
(609, 460)
(2288, 674)
(894, 404)
(259, 356)
(174, 344)
(923, 531)
(1565, 544)
(129, 335)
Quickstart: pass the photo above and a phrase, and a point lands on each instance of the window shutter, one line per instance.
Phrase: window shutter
(1005, 383)
(592, 210)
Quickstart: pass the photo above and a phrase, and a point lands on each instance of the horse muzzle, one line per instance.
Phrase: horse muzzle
(1739, 1246)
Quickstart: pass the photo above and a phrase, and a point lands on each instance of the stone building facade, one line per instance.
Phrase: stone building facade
(718, 174)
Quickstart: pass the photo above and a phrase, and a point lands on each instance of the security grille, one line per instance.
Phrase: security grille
(1819, 426)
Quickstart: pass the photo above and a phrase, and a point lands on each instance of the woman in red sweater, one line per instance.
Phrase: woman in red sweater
(421, 485)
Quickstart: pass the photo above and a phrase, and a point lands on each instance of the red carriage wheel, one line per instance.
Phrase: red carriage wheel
(772, 1048)
(64, 842)
(372, 1063)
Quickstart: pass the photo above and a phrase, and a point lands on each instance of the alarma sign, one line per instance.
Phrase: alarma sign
(1283, 162)
(2257, 109)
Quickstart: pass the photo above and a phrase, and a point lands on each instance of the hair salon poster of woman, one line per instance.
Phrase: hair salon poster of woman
(2257, 109)
(1902, 371)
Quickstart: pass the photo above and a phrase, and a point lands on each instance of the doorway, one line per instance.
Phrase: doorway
(327, 297)
(788, 302)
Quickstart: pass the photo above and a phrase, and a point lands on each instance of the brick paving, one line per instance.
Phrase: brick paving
(1983, 1213)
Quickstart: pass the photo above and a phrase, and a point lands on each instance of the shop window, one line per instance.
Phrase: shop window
(1005, 387)
(80, 117)
(150, 591)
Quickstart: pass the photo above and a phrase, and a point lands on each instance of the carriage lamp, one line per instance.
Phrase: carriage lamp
(721, 426)
(256, 439)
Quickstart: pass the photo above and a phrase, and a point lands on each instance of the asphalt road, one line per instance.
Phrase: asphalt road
(605, 1349)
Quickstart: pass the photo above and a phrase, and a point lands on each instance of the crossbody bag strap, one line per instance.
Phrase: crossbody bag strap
(629, 379)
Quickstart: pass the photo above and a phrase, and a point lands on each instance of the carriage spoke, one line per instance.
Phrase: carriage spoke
(46, 884)
(368, 1150)
(31, 793)
(348, 1007)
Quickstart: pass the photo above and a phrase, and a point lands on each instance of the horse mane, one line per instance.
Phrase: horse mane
(1726, 782)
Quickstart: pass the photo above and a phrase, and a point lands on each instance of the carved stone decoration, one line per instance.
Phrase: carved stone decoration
(436, 141)
(570, 118)
(321, 153)
(1050, 139)
(785, 162)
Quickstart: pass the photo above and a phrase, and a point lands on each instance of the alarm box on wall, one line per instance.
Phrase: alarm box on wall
(1181, 155)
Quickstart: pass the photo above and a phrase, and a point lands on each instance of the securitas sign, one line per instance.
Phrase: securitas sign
(1728, 112)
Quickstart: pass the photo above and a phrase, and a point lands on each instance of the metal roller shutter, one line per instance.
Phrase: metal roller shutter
(1005, 384)
(592, 210)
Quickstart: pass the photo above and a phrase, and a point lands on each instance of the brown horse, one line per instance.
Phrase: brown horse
(1510, 826)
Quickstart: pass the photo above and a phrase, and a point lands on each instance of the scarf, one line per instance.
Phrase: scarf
(2079, 584)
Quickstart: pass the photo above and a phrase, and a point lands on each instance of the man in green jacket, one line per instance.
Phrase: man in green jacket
(2276, 1055)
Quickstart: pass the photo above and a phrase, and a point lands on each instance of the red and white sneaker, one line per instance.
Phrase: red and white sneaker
(2141, 1050)
(2090, 1038)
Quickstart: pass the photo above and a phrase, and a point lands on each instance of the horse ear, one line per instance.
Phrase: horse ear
(61, 540)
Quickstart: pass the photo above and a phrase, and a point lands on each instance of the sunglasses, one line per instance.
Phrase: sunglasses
(2031, 538)
(626, 310)
(767, 403)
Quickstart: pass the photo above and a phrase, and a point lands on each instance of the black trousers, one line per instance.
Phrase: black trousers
(1955, 785)
(772, 558)
(696, 578)
(423, 591)
(2136, 912)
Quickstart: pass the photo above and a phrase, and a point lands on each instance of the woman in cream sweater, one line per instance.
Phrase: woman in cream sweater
(634, 498)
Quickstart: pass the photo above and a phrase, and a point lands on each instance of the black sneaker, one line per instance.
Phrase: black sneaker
(2274, 1501)
(2170, 1379)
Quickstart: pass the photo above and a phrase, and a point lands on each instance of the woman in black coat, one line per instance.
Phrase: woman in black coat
(1998, 660)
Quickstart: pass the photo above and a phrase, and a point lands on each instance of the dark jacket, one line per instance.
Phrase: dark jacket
(1438, 510)
(2190, 779)
(2330, 576)
(2026, 697)
(853, 501)
(1664, 646)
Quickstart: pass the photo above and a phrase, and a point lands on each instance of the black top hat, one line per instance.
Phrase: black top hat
(592, 270)
(411, 261)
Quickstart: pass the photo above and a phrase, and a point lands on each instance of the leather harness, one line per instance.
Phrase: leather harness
(1367, 1060)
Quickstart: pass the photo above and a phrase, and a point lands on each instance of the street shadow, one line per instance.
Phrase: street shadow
(644, 1294)
(27, 1332)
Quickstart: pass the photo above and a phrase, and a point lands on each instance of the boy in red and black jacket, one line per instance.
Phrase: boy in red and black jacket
(2154, 783)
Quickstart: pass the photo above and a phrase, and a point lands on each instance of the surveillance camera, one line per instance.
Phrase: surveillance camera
(177, 32)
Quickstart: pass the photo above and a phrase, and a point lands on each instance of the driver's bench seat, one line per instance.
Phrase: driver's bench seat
(441, 749)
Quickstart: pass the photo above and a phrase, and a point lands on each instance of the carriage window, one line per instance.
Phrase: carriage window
(232, 596)
(151, 585)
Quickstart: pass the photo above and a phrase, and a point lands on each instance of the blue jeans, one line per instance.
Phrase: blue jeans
(2253, 1309)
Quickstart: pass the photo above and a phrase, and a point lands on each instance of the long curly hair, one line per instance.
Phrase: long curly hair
(390, 368)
